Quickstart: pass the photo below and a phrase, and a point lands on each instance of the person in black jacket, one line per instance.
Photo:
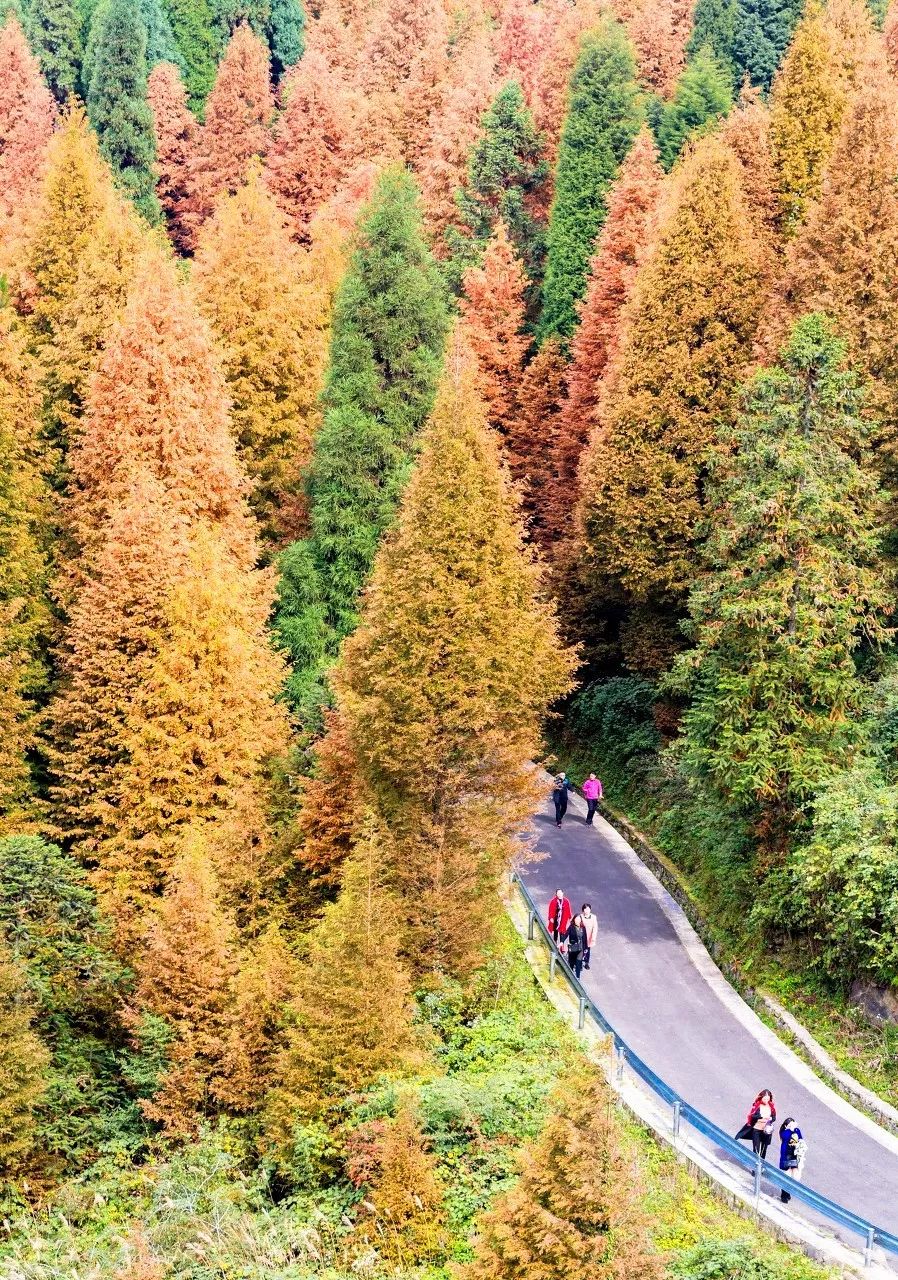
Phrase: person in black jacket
(559, 796)
(576, 944)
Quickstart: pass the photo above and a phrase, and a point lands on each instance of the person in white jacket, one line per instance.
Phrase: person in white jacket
(591, 925)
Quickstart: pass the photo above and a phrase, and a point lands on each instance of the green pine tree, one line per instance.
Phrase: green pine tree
(198, 38)
(714, 26)
(390, 322)
(160, 41)
(704, 93)
(117, 101)
(505, 172)
(54, 31)
(604, 116)
(285, 31)
(793, 587)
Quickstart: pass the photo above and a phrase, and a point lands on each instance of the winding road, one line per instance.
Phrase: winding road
(652, 990)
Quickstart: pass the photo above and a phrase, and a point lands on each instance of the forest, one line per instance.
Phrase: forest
(392, 392)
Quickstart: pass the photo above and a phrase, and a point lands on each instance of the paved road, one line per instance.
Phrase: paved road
(646, 985)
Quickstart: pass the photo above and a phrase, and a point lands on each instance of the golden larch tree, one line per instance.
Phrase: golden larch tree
(531, 444)
(177, 131)
(27, 116)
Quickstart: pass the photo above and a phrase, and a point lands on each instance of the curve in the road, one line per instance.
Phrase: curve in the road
(678, 1014)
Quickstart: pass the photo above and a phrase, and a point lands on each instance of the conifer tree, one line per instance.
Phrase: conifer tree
(27, 115)
(238, 114)
(83, 248)
(763, 30)
(520, 45)
(185, 974)
(54, 32)
(890, 37)
(692, 320)
(844, 259)
(365, 1028)
(117, 102)
(261, 989)
(566, 26)
(389, 325)
(532, 443)
(307, 159)
(747, 133)
(714, 26)
(193, 25)
(175, 131)
(454, 129)
(285, 31)
(622, 247)
(578, 1189)
(445, 682)
(161, 43)
(659, 30)
(25, 620)
(793, 585)
(23, 1068)
(806, 105)
(493, 311)
(702, 96)
(407, 1201)
(249, 286)
(604, 114)
(505, 173)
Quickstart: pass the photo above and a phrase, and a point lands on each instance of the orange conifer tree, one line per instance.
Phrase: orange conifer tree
(307, 159)
(27, 115)
(747, 132)
(566, 26)
(454, 129)
(176, 141)
(520, 45)
(621, 248)
(238, 115)
(493, 312)
(250, 287)
(185, 975)
(532, 442)
(444, 683)
(660, 31)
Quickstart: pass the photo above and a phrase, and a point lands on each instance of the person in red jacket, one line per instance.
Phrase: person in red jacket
(559, 915)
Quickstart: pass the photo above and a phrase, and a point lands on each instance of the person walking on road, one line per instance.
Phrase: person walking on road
(759, 1125)
(559, 916)
(793, 1149)
(591, 925)
(559, 796)
(576, 945)
(592, 791)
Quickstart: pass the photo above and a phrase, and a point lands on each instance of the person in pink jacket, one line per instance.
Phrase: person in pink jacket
(592, 791)
(591, 925)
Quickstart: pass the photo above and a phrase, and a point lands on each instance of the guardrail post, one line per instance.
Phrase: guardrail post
(581, 1016)
(552, 960)
(531, 916)
(758, 1166)
(868, 1247)
(676, 1120)
(621, 1060)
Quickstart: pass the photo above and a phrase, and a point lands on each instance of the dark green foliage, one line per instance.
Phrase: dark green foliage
(54, 32)
(117, 101)
(505, 172)
(301, 631)
(794, 586)
(704, 93)
(286, 34)
(612, 724)
(390, 321)
(714, 26)
(762, 33)
(161, 43)
(728, 1260)
(199, 40)
(49, 920)
(604, 116)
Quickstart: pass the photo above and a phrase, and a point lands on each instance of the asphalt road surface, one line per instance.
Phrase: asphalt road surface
(644, 982)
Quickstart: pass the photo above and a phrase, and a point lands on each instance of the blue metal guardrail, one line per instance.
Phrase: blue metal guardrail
(685, 1112)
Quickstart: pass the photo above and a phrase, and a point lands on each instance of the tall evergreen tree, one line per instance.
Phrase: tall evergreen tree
(194, 28)
(807, 102)
(714, 25)
(533, 438)
(565, 29)
(27, 116)
(25, 532)
(844, 259)
(389, 326)
(692, 321)
(578, 1189)
(117, 102)
(249, 284)
(493, 311)
(445, 682)
(285, 31)
(54, 32)
(702, 96)
(793, 587)
(506, 171)
(23, 1070)
(603, 118)
(660, 31)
